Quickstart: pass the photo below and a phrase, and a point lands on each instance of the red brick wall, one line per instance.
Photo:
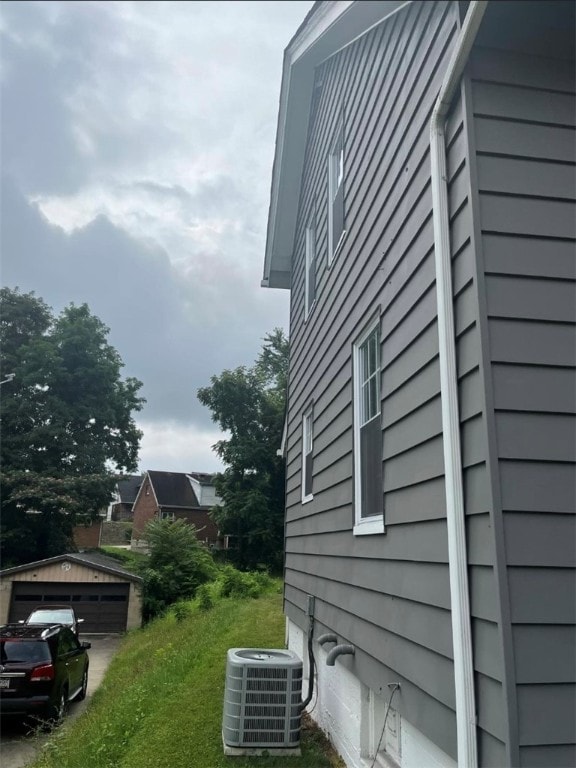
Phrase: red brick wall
(206, 528)
(144, 509)
(87, 537)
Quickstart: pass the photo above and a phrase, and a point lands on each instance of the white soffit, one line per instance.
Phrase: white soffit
(333, 26)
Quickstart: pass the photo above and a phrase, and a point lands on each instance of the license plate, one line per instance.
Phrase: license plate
(4, 682)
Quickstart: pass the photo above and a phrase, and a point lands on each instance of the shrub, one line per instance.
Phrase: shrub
(177, 566)
(181, 610)
(205, 599)
(234, 583)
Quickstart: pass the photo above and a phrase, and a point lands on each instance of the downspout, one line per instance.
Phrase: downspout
(457, 556)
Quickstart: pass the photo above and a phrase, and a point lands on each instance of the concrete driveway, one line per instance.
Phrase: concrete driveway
(17, 749)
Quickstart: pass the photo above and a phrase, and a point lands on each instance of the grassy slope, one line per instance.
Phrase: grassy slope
(160, 705)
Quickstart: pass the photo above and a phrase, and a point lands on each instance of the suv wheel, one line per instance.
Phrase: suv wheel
(59, 708)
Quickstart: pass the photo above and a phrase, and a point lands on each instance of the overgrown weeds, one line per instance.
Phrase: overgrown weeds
(160, 704)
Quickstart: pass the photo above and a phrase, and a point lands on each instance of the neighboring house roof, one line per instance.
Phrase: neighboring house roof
(328, 27)
(96, 561)
(202, 477)
(128, 488)
(173, 489)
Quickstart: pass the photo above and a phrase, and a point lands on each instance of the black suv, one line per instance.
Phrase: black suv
(42, 668)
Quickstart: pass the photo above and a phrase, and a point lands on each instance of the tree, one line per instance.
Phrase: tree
(178, 565)
(249, 404)
(67, 424)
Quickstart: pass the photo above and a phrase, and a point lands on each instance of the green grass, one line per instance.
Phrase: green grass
(160, 704)
(127, 558)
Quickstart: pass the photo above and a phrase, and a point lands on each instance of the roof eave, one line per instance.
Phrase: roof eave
(76, 558)
(332, 26)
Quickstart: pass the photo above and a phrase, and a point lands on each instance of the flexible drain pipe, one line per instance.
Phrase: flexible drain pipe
(338, 650)
(459, 596)
(328, 637)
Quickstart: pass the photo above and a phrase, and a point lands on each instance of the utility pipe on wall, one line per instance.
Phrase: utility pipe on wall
(339, 650)
(458, 563)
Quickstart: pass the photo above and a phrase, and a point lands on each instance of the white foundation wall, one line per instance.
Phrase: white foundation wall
(417, 750)
(353, 716)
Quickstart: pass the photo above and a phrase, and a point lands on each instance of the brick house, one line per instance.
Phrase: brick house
(176, 495)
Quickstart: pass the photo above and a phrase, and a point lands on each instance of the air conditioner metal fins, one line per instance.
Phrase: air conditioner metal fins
(262, 698)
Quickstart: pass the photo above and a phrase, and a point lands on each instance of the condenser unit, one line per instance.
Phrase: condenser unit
(262, 699)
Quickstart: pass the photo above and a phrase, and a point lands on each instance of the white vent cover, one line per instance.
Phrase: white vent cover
(262, 698)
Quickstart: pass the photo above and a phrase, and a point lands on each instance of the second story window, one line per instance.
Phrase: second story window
(336, 195)
(310, 268)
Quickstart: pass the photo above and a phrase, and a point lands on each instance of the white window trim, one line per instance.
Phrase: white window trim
(333, 188)
(310, 256)
(374, 524)
(339, 245)
(307, 417)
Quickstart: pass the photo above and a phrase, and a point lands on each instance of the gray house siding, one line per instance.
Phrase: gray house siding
(511, 173)
(522, 115)
(389, 594)
(489, 666)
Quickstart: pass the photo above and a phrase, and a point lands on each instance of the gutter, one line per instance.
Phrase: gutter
(455, 517)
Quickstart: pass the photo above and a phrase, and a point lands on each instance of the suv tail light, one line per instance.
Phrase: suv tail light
(43, 673)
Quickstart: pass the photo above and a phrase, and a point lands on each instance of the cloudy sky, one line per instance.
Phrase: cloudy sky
(137, 147)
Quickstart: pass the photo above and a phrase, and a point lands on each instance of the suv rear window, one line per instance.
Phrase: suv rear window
(23, 650)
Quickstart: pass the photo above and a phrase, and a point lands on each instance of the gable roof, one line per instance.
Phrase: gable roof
(93, 560)
(328, 27)
(128, 488)
(173, 489)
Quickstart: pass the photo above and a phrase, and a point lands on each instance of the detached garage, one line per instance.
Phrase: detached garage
(102, 592)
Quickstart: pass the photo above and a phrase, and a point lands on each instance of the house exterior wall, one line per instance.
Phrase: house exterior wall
(521, 115)
(511, 183)
(386, 594)
(493, 732)
(206, 494)
(144, 509)
(87, 536)
(206, 528)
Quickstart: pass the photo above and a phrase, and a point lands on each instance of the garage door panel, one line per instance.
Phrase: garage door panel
(104, 607)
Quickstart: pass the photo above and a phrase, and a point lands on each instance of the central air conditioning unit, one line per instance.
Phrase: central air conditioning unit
(262, 699)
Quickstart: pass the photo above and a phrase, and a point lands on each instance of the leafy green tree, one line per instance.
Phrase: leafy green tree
(178, 565)
(249, 404)
(67, 423)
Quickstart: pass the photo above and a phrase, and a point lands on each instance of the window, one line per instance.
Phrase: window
(67, 643)
(368, 491)
(310, 268)
(336, 195)
(307, 455)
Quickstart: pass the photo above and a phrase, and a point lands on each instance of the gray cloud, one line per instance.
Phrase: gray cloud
(137, 145)
(172, 332)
